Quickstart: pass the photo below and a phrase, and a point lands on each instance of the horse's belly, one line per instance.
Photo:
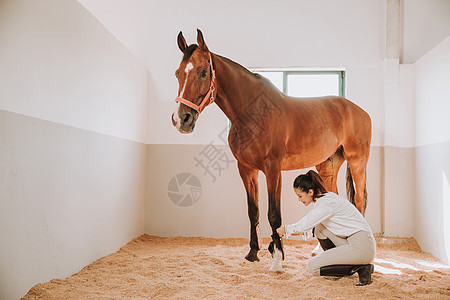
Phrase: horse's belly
(305, 160)
(295, 162)
(310, 149)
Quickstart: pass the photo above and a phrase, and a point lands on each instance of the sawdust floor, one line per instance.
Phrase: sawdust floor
(189, 268)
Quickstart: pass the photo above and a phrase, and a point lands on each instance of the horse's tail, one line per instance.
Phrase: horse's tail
(351, 188)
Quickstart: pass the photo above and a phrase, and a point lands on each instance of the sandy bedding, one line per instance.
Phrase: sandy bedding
(189, 268)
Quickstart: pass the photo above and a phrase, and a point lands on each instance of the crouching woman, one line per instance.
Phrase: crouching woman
(343, 233)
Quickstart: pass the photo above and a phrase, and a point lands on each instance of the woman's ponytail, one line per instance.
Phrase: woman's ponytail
(318, 182)
(310, 180)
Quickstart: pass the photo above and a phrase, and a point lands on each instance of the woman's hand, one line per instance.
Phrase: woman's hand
(298, 233)
(281, 231)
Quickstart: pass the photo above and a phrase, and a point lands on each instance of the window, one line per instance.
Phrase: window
(307, 83)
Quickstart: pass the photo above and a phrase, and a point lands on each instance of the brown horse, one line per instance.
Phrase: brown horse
(271, 132)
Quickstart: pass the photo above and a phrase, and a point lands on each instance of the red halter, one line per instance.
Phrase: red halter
(209, 97)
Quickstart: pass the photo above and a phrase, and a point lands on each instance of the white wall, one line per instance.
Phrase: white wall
(432, 97)
(426, 24)
(347, 33)
(65, 67)
(73, 109)
(432, 204)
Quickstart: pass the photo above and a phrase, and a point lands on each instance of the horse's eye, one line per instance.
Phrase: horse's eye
(203, 74)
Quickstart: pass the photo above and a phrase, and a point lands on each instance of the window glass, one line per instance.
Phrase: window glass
(312, 85)
(307, 83)
(275, 77)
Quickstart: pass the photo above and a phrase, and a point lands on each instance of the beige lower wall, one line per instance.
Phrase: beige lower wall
(67, 197)
(397, 202)
(221, 210)
(432, 206)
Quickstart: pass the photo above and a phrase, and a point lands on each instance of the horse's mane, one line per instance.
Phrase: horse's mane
(266, 82)
(263, 80)
(188, 52)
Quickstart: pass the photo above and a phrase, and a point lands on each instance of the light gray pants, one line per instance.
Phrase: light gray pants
(357, 249)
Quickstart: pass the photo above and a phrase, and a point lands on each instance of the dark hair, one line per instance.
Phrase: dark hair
(310, 181)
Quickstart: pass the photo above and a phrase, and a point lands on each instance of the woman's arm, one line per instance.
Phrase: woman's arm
(282, 231)
(317, 215)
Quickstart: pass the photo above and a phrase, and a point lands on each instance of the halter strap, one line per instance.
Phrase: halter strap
(209, 97)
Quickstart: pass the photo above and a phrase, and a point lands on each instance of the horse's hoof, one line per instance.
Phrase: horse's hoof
(252, 256)
(276, 263)
(276, 269)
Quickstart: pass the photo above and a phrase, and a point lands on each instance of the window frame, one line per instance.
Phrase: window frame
(307, 71)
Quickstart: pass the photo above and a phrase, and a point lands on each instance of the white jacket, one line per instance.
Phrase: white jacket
(336, 213)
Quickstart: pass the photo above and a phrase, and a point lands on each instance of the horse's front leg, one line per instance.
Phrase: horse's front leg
(250, 180)
(273, 177)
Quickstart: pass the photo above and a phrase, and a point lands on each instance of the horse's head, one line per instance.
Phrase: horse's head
(196, 83)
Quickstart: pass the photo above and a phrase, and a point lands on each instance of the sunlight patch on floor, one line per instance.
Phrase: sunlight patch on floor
(428, 266)
(395, 264)
(384, 270)
(433, 265)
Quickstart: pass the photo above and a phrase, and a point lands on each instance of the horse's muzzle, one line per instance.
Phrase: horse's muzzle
(184, 125)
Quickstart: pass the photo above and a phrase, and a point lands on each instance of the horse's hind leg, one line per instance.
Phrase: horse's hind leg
(329, 170)
(250, 180)
(357, 158)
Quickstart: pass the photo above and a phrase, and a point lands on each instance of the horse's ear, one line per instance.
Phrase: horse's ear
(200, 41)
(181, 42)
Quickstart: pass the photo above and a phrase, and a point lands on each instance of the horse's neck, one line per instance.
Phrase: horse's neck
(235, 87)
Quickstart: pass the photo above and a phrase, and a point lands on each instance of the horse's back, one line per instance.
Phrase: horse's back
(333, 104)
(327, 108)
(331, 118)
